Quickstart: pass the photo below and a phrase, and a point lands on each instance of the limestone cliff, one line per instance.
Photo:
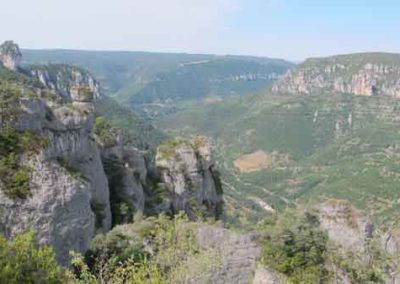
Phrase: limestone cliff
(10, 55)
(70, 82)
(68, 200)
(188, 170)
(368, 74)
(67, 182)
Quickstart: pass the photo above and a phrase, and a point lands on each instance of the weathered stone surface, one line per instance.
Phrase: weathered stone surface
(188, 170)
(69, 196)
(10, 55)
(391, 242)
(68, 81)
(266, 276)
(345, 225)
(238, 253)
(58, 209)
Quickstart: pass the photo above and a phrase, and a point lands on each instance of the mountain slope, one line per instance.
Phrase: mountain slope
(303, 149)
(368, 74)
(142, 79)
(137, 131)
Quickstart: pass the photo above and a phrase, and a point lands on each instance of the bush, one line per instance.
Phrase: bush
(115, 244)
(296, 247)
(170, 254)
(21, 261)
(14, 178)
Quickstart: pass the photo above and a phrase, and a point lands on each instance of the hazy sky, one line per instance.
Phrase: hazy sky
(292, 29)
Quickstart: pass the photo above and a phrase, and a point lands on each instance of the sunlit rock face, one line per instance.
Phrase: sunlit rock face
(369, 74)
(10, 55)
(70, 82)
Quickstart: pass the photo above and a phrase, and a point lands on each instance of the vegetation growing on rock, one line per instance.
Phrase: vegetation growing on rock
(22, 261)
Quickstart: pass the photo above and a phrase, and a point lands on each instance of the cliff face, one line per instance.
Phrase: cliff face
(360, 74)
(70, 82)
(69, 198)
(188, 170)
(10, 55)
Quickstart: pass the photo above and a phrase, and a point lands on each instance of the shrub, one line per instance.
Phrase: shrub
(297, 247)
(21, 261)
(15, 177)
(170, 254)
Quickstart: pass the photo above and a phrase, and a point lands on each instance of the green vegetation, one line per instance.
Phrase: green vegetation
(9, 77)
(137, 132)
(102, 129)
(172, 255)
(14, 176)
(127, 74)
(21, 261)
(219, 76)
(168, 148)
(296, 247)
(122, 212)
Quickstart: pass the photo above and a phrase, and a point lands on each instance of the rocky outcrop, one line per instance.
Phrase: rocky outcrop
(391, 242)
(238, 254)
(71, 83)
(188, 170)
(345, 225)
(370, 74)
(10, 55)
